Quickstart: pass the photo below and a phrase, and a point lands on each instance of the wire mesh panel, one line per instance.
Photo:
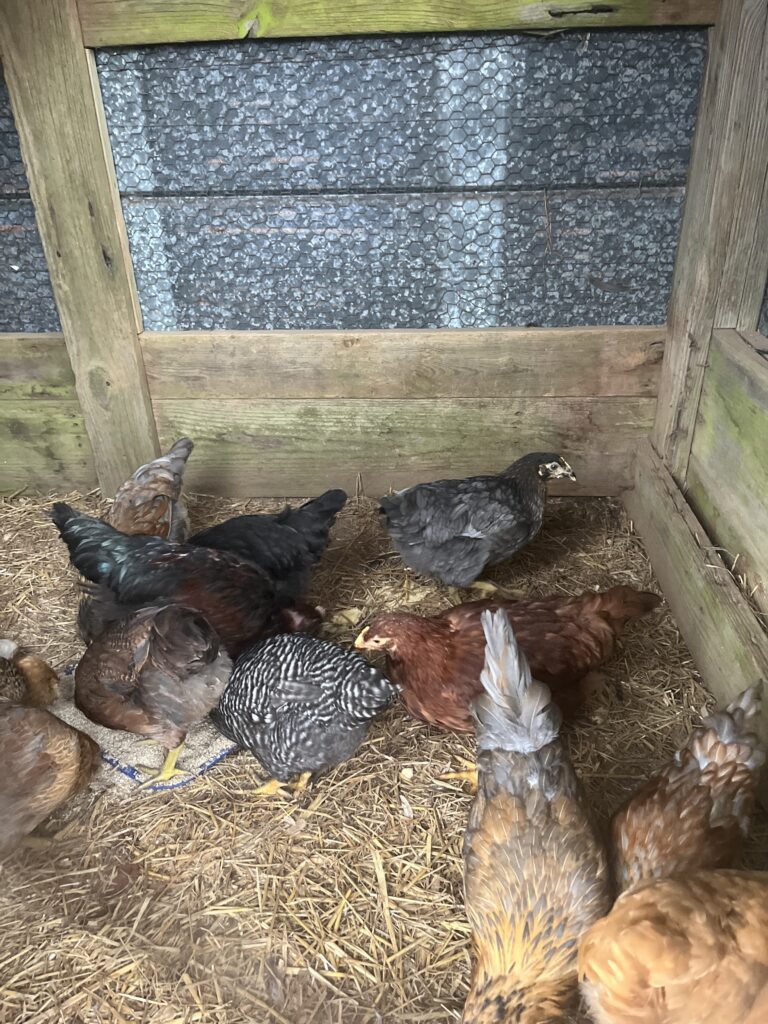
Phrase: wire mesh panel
(452, 181)
(26, 299)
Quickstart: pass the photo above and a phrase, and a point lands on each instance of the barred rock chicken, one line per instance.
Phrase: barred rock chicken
(300, 705)
(155, 674)
(695, 814)
(453, 529)
(438, 660)
(685, 950)
(43, 761)
(535, 875)
(150, 503)
(287, 545)
(237, 598)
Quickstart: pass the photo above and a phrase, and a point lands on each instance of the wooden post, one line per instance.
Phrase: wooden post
(57, 106)
(722, 258)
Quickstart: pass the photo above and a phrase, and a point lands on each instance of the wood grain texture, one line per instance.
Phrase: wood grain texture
(574, 362)
(121, 22)
(57, 108)
(727, 483)
(722, 258)
(727, 642)
(35, 366)
(286, 447)
(44, 447)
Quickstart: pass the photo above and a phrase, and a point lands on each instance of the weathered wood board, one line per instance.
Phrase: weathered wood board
(35, 366)
(123, 22)
(727, 481)
(44, 447)
(722, 258)
(295, 447)
(57, 109)
(573, 362)
(727, 642)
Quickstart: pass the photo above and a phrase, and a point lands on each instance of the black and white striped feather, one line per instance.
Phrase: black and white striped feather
(301, 704)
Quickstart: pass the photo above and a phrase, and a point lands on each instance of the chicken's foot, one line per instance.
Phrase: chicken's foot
(468, 775)
(167, 772)
(484, 586)
(276, 788)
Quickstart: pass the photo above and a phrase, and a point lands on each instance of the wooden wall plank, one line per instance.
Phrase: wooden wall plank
(727, 482)
(574, 362)
(35, 366)
(44, 447)
(726, 639)
(120, 22)
(57, 109)
(286, 447)
(722, 258)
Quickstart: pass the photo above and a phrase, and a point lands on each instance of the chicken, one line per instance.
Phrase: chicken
(150, 503)
(535, 875)
(687, 950)
(300, 705)
(437, 661)
(155, 674)
(43, 761)
(453, 529)
(696, 812)
(287, 545)
(237, 598)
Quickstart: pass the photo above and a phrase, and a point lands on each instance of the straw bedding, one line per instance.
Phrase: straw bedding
(211, 904)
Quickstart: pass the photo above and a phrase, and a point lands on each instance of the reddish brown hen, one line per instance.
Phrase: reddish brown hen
(437, 661)
(695, 813)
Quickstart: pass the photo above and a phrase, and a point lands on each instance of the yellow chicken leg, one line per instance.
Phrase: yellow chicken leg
(484, 586)
(167, 772)
(275, 787)
(468, 775)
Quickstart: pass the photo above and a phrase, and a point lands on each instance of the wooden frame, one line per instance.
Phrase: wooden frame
(720, 277)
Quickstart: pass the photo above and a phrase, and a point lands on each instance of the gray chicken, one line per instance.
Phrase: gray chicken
(453, 529)
(300, 705)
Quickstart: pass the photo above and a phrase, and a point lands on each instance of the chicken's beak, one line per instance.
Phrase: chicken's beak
(360, 639)
(569, 474)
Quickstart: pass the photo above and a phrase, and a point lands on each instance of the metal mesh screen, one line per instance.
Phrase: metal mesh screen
(452, 181)
(26, 299)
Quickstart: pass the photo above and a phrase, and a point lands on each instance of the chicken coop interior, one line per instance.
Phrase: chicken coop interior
(364, 246)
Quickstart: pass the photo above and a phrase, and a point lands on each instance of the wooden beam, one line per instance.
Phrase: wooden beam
(56, 103)
(287, 448)
(722, 258)
(123, 22)
(725, 637)
(727, 482)
(572, 362)
(35, 366)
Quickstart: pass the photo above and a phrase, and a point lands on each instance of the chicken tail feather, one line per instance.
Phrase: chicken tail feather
(516, 711)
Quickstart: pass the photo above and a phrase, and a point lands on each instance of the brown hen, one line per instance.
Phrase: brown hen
(437, 661)
(694, 814)
(156, 674)
(689, 950)
(535, 875)
(43, 761)
(150, 503)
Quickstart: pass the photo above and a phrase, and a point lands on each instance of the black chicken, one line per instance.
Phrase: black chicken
(300, 705)
(453, 529)
(237, 598)
(287, 545)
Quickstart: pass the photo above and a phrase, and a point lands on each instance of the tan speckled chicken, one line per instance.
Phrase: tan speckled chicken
(150, 503)
(694, 814)
(535, 875)
(43, 761)
(155, 674)
(688, 950)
